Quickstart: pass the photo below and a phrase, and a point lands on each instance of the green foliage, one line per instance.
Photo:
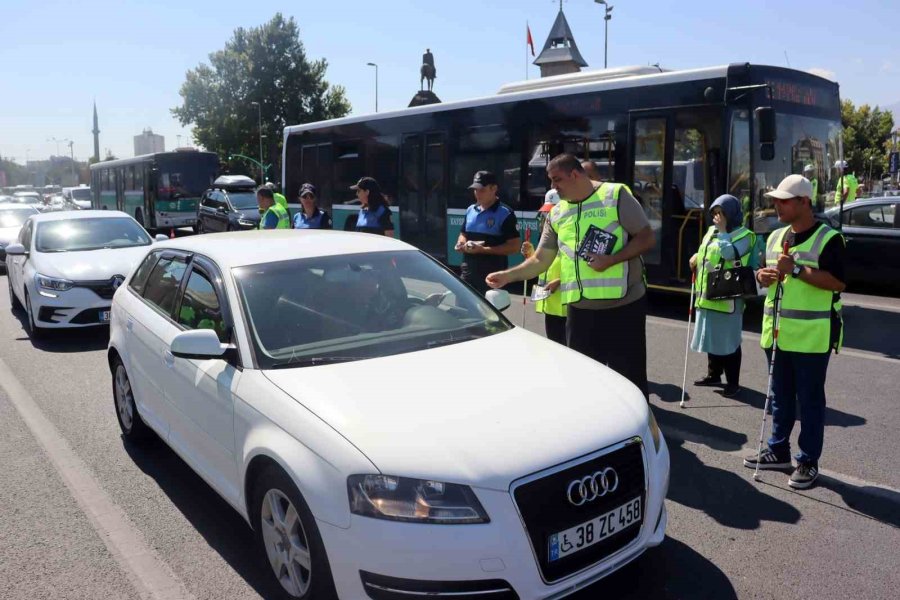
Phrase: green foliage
(268, 65)
(867, 134)
(16, 174)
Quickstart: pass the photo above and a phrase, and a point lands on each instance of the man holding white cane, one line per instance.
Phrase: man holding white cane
(809, 323)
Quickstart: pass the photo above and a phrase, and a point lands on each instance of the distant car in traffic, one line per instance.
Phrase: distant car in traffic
(66, 266)
(304, 376)
(872, 232)
(229, 205)
(12, 218)
(32, 198)
(57, 203)
(79, 196)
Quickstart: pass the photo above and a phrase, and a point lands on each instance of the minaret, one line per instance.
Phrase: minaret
(560, 54)
(96, 132)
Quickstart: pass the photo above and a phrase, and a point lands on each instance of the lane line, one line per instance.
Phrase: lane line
(755, 336)
(150, 576)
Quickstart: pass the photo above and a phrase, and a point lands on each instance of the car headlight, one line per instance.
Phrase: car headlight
(414, 500)
(52, 283)
(247, 222)
(655, 433)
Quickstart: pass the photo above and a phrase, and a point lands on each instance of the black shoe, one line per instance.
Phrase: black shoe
(709, 381)
(804, 476)
(768, 460)
(731, 390)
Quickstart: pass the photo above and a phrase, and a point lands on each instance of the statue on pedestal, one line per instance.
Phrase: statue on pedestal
(427, 71)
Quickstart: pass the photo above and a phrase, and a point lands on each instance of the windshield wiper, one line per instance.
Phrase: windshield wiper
(315, 361)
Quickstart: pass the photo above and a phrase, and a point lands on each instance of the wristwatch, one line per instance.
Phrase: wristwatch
(797, 270)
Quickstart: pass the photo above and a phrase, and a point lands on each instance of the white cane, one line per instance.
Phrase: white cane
(687, 341)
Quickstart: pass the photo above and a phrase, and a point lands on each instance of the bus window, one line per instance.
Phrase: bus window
(485, 148)
(688, 170)
(382, 155)
(348, 168)
(139, 178)
(739, 163)
(315, 168)
(129, 178)
(649, 174)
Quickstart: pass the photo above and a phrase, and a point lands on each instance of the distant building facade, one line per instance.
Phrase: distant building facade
(149, 143)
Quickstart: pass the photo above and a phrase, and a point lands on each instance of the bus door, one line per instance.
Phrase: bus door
(669, 156)
(422, 192)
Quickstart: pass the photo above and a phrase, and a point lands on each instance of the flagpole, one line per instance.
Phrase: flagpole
(527, 31)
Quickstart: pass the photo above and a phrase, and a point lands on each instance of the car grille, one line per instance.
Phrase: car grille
(105, 288)
(545, 508)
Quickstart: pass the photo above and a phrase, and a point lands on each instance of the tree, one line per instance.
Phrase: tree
(268, 65)
(867, 134)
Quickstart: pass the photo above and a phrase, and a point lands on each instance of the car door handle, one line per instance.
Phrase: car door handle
(169, 359)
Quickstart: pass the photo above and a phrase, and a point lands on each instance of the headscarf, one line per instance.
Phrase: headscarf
(731, 206)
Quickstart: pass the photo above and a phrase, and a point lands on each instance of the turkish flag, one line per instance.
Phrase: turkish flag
(529, 41)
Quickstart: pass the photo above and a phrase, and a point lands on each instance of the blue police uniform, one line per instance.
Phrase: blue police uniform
(374, 221)
(494, 226)
(320, 220)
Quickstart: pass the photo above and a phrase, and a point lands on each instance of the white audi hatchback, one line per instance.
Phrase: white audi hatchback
(65, 266)
(384, 429)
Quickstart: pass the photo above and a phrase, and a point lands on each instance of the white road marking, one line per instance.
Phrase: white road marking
(755, 336)
(150, 576)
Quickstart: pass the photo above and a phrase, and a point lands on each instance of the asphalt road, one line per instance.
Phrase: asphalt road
(728, 537)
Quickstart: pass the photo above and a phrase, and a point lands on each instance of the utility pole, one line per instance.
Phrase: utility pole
(376, 83)
(262, 175)
(72, 156)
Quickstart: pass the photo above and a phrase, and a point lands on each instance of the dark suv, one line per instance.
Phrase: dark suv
(229, 205)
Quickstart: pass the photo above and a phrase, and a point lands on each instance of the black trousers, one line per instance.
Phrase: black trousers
(616, 337)
(729, 364)
(555, 327)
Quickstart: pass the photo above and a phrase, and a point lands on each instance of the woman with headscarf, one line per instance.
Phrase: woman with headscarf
(720, 322)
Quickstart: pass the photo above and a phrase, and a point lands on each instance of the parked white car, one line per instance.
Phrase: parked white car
(66, 266)
(12, 218)
(385, 431)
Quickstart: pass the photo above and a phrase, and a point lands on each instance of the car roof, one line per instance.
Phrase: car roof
(870, 201)
(18, 206)
(77, 215)
(241, 248)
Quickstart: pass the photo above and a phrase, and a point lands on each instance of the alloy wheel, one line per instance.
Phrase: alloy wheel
(124, 398)
(287, 546)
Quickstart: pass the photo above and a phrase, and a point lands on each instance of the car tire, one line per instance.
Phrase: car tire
(130, 422)
(14, 303)
(34, 332)
(307, 574)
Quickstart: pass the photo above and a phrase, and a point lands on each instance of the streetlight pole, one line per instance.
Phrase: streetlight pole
(72, 156)
(262, 175)
(376, 84)
(607, 17)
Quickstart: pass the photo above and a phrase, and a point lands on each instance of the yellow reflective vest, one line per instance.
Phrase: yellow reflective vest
(284, 221)
(552, 305)
(709, 257)
(571, 221)
(804, 323)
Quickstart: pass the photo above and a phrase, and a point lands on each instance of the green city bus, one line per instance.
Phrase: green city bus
(161, 190)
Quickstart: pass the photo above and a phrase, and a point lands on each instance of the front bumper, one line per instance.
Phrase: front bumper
(77, 307)
(428, 560)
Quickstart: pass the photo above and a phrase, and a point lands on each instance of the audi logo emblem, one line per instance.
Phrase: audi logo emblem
(591, 487)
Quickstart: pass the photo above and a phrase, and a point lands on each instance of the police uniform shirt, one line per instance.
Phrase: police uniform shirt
(633, 220)
(494, 226)
(374, 221)
(320, 220)
(831, 260)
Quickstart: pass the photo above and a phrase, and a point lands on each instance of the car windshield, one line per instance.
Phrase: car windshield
(243, 201)
(27, 199)
(331, 309)
(15, 217)
(73, 235)
(81, 194)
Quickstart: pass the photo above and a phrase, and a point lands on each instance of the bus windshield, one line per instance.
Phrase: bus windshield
(805, 146)
(185, 176)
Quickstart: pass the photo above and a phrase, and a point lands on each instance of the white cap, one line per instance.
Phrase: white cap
(840, 164)
(808, 169)
(551, 197)
(792, 186)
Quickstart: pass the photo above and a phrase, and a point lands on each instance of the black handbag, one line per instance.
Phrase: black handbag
(736, 282)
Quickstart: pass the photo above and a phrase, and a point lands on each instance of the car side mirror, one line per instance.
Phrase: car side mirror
(160, 237)
(200, 344)
(16, 250)
(499, 299)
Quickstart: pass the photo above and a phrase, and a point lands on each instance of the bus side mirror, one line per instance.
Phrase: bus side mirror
(765, 116)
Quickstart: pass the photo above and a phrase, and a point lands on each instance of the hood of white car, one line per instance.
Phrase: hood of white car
(483, 412)
(9, 235)
(90, 265)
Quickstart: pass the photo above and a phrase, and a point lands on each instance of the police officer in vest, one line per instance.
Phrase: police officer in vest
(488, 233)
(810, 327)
(550, 302)
(604, 293)
(274, 216)
(847, 184)
(310, 216)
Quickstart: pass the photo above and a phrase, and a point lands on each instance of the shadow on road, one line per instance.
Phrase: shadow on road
(220, 525)
(64, 340)
(672, 570)
(727, 497)
(875, 502)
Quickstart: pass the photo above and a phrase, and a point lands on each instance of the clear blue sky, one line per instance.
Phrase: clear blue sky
(131, 56)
